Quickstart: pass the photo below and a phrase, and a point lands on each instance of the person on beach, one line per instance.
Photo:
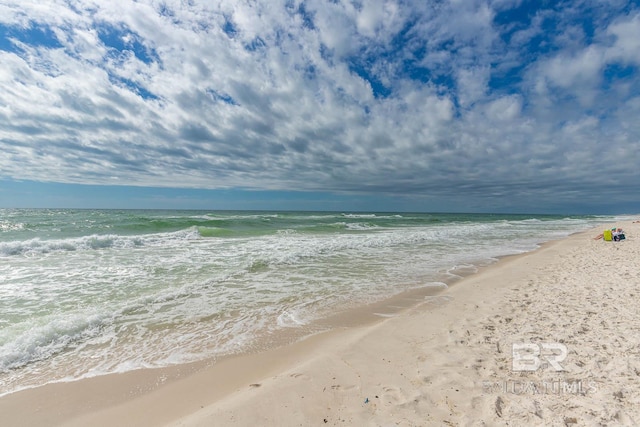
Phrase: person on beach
(617, 234)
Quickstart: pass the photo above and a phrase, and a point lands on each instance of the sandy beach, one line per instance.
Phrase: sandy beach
(567, 310)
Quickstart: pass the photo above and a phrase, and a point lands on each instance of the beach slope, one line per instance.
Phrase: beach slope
(568, 311)
(450, 361)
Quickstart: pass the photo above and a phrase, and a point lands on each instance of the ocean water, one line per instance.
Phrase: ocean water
(91, 292)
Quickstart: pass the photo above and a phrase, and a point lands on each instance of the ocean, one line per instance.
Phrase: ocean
(92, 292)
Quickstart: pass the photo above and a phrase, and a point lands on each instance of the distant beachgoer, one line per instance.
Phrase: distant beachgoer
(617, 234)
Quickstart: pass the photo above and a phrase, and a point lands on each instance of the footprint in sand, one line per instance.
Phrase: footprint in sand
(338, 387)
(396, 396)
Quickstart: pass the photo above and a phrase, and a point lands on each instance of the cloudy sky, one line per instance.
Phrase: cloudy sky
(460, 105)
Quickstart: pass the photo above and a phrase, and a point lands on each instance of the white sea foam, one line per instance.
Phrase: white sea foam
(37, 246)
(10, 226)
(45, 338)
(361, 226)
(288, 319)
(437, 285)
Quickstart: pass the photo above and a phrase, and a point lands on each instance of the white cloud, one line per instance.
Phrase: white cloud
(626, 47)
(378, 16)
(292, 95)
(472, 84)
(506, 108)
(579, 74)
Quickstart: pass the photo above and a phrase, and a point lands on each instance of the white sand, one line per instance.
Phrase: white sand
(447, 361)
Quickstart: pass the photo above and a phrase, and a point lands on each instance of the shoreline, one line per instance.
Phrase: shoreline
(338, 369)
(359, 315)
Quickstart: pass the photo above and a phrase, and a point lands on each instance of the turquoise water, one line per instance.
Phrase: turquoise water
(90, 292)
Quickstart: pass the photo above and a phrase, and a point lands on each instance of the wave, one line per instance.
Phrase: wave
(52, 336)
(214, 232)
(37, 246)
(360, 226)
(378, 230)
(6, 226)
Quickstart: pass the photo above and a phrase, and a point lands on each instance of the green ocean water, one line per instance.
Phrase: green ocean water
(90, 292)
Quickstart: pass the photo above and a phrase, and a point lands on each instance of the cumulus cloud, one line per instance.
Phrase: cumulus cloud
(477, 100)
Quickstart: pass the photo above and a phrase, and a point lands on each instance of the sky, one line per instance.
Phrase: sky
(380, 105)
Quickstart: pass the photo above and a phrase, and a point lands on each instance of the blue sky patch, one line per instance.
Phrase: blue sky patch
(379, 90)
(133, 87)
(122, 39)
(229, 27)
(307, 18)
(520, 16)
(35, 35)
(222, 97)
(255, 44)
